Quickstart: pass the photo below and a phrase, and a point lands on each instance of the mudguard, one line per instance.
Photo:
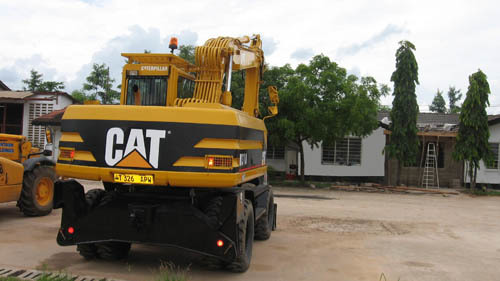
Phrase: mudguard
(31, 163)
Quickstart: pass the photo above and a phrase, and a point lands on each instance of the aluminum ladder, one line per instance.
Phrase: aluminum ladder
(430, 177)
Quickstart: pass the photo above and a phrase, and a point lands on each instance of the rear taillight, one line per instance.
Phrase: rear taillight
(218, 162)
(66, 153)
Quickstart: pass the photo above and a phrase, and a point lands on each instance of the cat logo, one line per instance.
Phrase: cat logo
(135, 154)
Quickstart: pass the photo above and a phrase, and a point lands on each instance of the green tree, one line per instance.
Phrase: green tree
(33, 83)
(187, 52)
(404, 141)
(320, 103)
(454, 96)
(36, 83)
(79, 95)
(51, 86)
(100, 84)
(438, 104)
(473, 132)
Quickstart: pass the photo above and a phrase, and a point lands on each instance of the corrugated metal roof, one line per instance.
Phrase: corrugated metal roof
(14, 95)
(4, 87)
(428, 118)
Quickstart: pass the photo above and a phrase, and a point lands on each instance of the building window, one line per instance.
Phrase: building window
(494, 156)
(345, 152)
(275, 153)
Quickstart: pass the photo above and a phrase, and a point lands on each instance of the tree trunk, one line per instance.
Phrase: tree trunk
(398, 176)
(471, 177)
(302, 164)
(475, 175)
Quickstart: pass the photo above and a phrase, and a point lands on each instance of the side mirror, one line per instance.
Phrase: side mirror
(47, 152)
(274, 98)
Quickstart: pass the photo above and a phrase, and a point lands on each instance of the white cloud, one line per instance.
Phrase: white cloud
(380, 37)
(453, 38)
(302, 54)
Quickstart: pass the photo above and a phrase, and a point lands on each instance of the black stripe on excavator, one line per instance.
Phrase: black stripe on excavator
(178, 141)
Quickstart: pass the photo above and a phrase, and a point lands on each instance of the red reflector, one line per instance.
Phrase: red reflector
(72, 154)
(220, 243)
(71, 230)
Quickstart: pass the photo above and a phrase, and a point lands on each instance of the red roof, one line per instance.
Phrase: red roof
(53, 118)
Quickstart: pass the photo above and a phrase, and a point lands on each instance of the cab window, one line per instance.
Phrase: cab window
(185, 88)
(153, 90)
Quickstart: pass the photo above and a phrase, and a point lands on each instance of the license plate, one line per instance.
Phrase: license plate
(133, 178)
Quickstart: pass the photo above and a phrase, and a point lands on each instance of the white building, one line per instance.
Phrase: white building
(490, 173)
(352, 157)
(19, 109)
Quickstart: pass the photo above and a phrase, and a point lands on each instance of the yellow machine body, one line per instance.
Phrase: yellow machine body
(175, 125)
(14, 150)
(11, 180)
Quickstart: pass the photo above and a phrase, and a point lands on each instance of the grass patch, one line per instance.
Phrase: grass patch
(171, 272)
(484, 192)
(296, 183)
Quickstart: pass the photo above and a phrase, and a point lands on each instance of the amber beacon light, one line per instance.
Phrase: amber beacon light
(173, 44)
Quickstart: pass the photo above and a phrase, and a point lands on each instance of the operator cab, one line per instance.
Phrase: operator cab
(156, 79)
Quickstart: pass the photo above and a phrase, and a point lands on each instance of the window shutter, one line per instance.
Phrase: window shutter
(36, 134)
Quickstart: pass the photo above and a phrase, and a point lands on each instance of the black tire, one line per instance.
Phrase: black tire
(37, 194)
(113, 250)
(245, 240)
(212, 211)
(109, 186)
(107, 197)
(92, 198)
(264, 225)
(88, 251)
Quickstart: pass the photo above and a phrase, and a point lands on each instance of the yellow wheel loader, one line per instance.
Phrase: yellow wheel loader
(26, 176)
(180, 166)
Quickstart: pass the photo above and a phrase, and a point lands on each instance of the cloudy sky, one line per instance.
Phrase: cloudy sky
(63, 38)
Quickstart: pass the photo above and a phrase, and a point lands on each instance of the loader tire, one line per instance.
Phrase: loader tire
(113, 250)
(264, 225)
(245, 240)
(88, 251)
(37, 194)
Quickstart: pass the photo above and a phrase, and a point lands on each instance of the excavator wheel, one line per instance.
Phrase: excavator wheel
(212, 211)
(92, 198)
(88, 251)
(245, 240)
(264, 225)
(38, 191)
(104, 250)
(113, 250)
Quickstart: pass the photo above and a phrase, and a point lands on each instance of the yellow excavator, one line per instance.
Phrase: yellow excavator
(26, 175)
(180, 166)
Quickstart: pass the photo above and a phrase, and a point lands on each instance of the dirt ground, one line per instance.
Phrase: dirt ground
(333, 236)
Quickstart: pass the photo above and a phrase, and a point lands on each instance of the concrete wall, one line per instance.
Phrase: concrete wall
(372, 160)
(484, 175)
(283, 165)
